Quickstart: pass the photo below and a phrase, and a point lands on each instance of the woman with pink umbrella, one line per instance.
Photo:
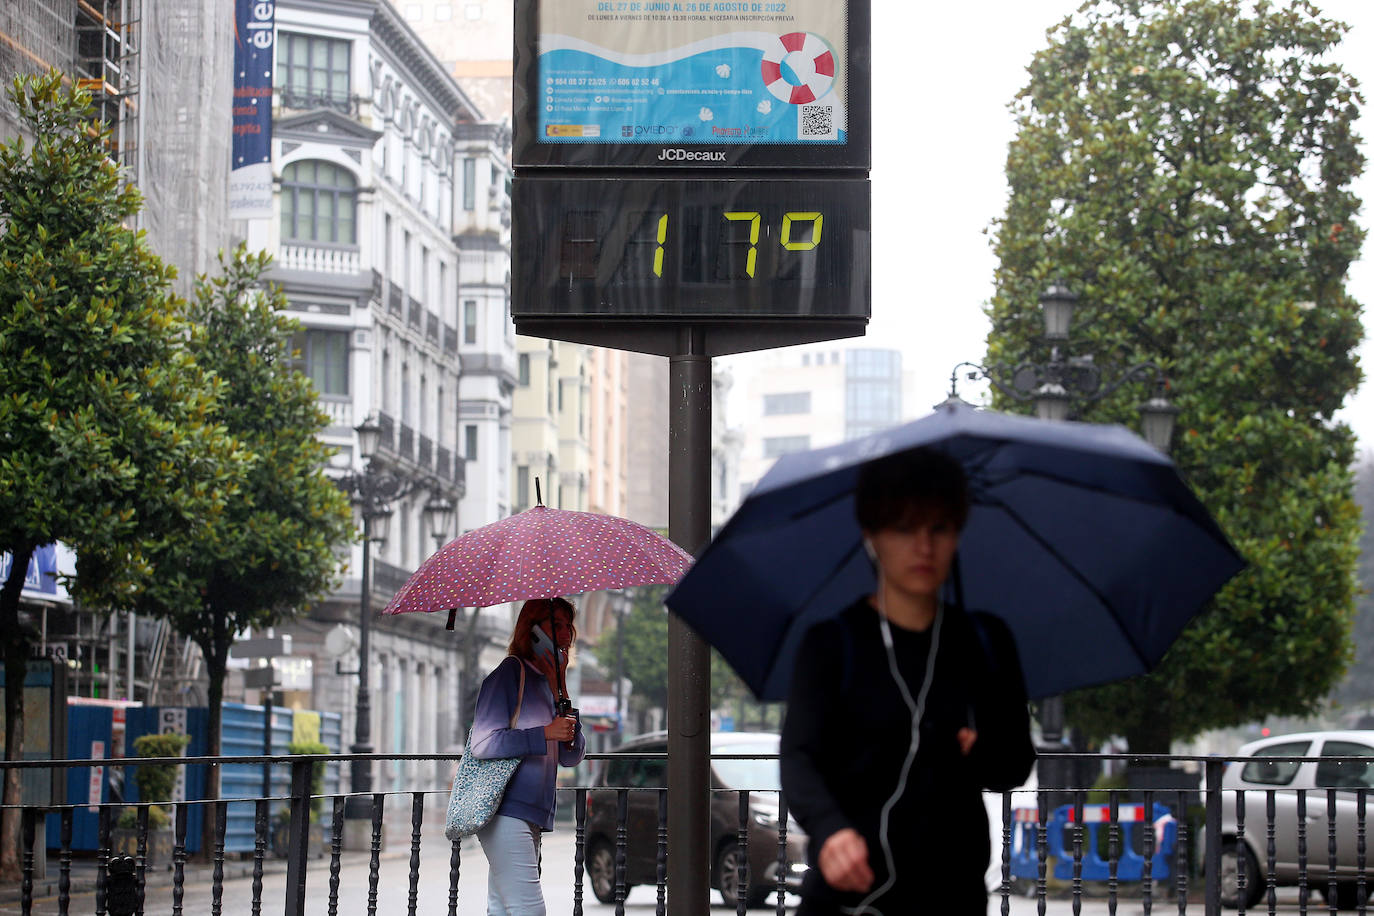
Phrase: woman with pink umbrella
(520, 716)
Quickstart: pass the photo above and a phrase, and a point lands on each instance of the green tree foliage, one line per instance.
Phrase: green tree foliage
(271, 550)
(106, 435)
(1358, 687)
(1186, 168)
(646, 652)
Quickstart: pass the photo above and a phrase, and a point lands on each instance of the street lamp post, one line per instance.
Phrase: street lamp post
(440, 513)
(372, 490)
(1059, 388)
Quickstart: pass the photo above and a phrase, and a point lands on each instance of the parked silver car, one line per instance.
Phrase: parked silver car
(1294, 784)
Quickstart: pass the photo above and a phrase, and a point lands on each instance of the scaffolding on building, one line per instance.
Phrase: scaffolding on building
(107, 66)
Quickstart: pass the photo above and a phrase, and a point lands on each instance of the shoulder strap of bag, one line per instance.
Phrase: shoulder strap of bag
(519, 697)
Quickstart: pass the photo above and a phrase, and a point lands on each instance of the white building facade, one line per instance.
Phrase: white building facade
(802, 398)
(391, 243)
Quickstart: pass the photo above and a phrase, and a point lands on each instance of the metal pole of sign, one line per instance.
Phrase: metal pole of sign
(267, 739)
(689, 669)
(132, 654)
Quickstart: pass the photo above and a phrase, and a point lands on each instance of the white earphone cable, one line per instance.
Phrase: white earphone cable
(917, 708)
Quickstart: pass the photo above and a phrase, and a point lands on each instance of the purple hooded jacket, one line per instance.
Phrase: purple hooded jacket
(530, 793)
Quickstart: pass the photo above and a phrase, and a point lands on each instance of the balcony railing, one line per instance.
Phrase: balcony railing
(432, 328)
(1143, 848)
(416, 316)
(394, 299)
(405, 444)
(442, 459)
(340, 412)
(425, 456)
(387, 579)
(450, 339)
(318, 259)
(307, 101)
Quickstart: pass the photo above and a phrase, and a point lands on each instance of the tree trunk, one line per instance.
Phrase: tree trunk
(16, 651)
(216, 663)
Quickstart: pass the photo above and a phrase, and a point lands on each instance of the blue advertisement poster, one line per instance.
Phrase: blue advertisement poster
(250, 176)
(43, 577)
(689, 72)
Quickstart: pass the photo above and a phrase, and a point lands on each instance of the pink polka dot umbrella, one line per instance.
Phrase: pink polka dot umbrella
(540, 553)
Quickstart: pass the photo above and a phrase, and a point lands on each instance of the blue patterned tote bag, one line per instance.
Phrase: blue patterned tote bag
(479, 785)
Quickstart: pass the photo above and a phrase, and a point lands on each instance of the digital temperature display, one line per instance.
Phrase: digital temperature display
(677, 248)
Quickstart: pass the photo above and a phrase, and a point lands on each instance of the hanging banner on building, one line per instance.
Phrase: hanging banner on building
(689, 72)
(250, 175)
(43, 578)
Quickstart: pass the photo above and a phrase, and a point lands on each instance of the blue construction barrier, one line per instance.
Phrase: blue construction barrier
(1025, 859)
(94, 731)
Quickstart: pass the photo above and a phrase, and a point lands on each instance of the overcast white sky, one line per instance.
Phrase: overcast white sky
(943, 76)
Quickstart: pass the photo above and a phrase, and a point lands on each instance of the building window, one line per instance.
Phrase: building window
(323, 355)
(792, 402)
(386, 246)
(313, 69)
(867, 363)
(470, 324)
(872, 403)
(424, 275)
(440, 418)
(386, 381)
(469, 184)
(318, 203)
(470, 442)
(776, 446)
(524, 364)
(522, 488)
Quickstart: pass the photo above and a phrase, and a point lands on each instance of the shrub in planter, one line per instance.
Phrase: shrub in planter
(156, 783)
(316, 774)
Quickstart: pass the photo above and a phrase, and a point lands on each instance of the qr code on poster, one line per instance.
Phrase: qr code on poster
(816, 121)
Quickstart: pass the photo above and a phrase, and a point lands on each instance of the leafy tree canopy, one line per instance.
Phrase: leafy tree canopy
(1185, 167)
(271, 550)
(105, 428)
(646, 652)
(1358, 687)
(106, 435)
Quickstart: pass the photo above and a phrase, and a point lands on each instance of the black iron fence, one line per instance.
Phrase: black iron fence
(1251, 832)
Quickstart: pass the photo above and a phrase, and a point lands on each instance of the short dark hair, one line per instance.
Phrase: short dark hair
(893, 490)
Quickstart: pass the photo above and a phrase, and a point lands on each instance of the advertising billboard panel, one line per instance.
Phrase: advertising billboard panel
(692, 83)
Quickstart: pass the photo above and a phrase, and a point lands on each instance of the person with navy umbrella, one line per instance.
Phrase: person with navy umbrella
(903, 709)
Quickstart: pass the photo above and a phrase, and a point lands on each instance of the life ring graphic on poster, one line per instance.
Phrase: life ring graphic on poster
(799, 68)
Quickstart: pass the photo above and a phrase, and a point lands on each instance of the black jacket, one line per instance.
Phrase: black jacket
(848, 733)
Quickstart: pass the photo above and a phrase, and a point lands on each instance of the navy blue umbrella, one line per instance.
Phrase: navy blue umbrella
(1083, 538)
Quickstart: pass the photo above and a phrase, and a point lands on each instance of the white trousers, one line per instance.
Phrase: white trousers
(511, 846)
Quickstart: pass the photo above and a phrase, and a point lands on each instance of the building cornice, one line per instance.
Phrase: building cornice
(411, 54)
(323, 125)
